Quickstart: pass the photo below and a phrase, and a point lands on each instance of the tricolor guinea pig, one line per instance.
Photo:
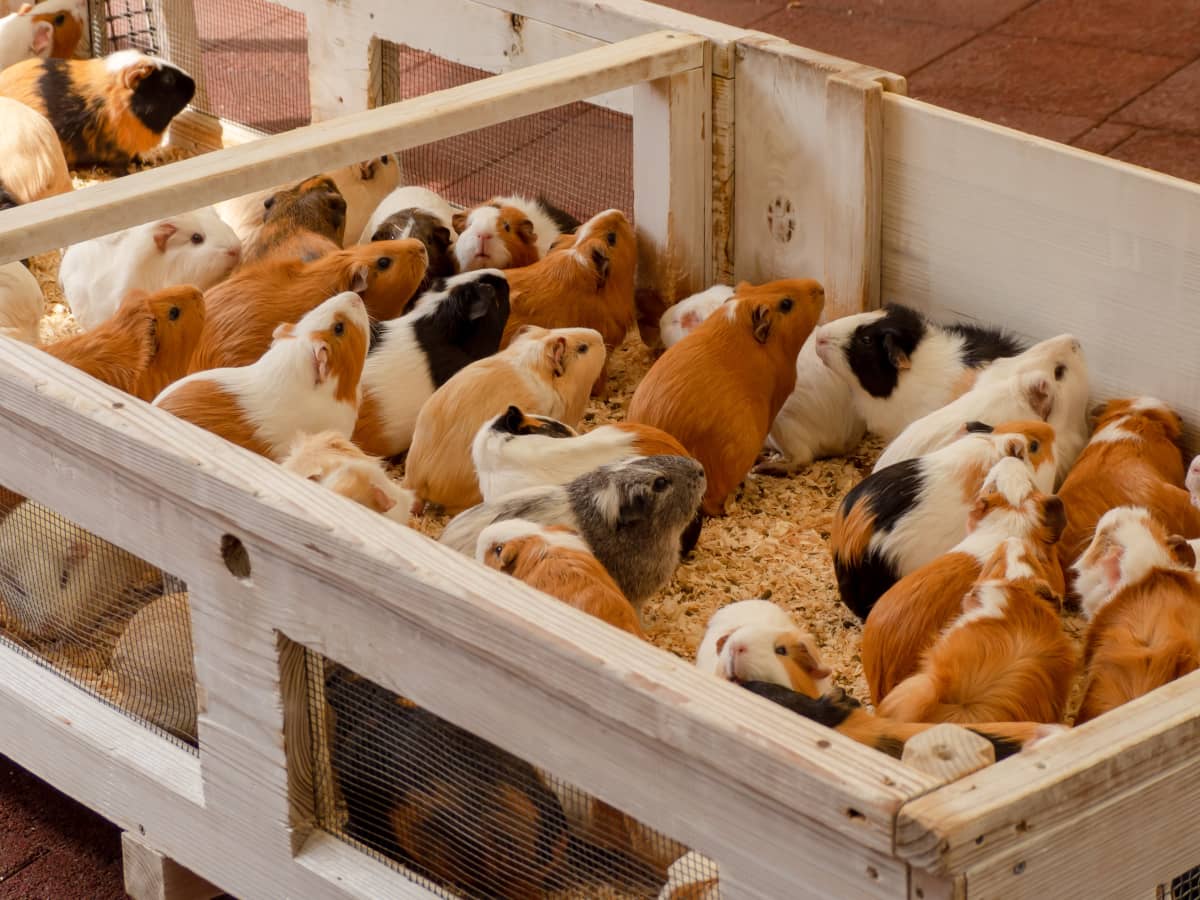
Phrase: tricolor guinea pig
(558, 562)
(332, 461)
(1049, 381)
(719, 389)
(21, 303)
(106, 112)
(363, 186)
(755, 640)
(194, 248)
(505, 233)
(412, 197)
(1141, 597)
(244, 310)
(899, 366)
(305, 221)
(178, 319)
(307, 381)
(912, 613)
(119, 350)
(545, 372)
(632, 514)
(32, 164)
(414, 355)
(429, 224)
(898, 519)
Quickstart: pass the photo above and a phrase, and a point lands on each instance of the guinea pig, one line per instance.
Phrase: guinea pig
(152, 668)
(364, 185)
(632, 514)
(720, 388)
(1049, 381)
(178, 319)
(307, 381)
(106, 112)
(340, 465)
(244, 310)
(32, 164)
(1134, 458)
(692, 877)
(305, 220)
(414, 355)
(558, 562)
(681, 319)
(412, 197)
(194, 248)
(900, 366)
(1141, 597)
(515, 451)
(912, 613)
(21, 303)
(755, 640)
(68, 18)
(118, 351)
(427, 228)
(57, 580)
(900, 518)
(22, 36)
(504, 233)
(1005, 658)
(545, 372)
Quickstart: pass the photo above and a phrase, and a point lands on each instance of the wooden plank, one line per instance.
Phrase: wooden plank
(151, 876)
(723, 167)
(102, 208)
(948, 752)
(924, 886)
(989, 223)
(358, 873)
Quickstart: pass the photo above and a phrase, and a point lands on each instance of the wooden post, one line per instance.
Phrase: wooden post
(339, 63)
(151, 876)
(948, 752)
(723, 162)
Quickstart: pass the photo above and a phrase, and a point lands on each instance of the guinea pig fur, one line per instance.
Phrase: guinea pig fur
(178, 319)
(68, 18)
(411, 197)
(414, 355)
(1141, 597)
(118, 351)
(900, 366)
(304, 221)
(329, 459)
(1005, 658)
(106, 112)
(244, 310)
(720, 388)
(900, 518)
(681, 319)
(308, 381)
(632, 514)
(1134, 458)
(1049, 381)
(504, 233)
(427, 228)
(57, 580)
(194, 248)
(24, 37)
(21, 303)
(32, 164)
(544, 372)
(692, 877)
(909, 617)
(516, 451)
(558, 562)
(755, 640)
(364, 185)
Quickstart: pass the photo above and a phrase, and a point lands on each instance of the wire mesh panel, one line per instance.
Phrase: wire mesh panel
(104, 619)
(1185, 886)
(464, 817)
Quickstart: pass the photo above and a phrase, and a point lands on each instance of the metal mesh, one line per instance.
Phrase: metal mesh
(463, 817)
(1186, 886)
(102, 618)
(130, 24)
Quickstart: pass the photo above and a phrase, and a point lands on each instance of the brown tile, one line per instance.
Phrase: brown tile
(1168, 27)
(977, 14)
(1051, 76)
(894, 44)
(1104, 138)
(1168, 106)
(60, 874)
(739, 13)
(1055, 126)
(1174, 154)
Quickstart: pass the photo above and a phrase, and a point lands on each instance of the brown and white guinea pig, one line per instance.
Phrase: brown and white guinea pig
(755, 640)
(331, 460)
(692, 877)
(118, 351)
(244, 310)
(194, 248)
(413, 197)
(52, 28)
(1141, 597)
(305, 220)
(414, 355)
(364, 185)
(909, 617)
(557, 561)
(57, 580)
(21, 303)
(900, 518)
(720, 388)
(507, 232)
(69, 19)
(547, 372)
(308, 381)
(1005, 658)
(32, 164)
(178, 320)
(1134, 458)
(417, 212)
(516, 451)
(106, 112)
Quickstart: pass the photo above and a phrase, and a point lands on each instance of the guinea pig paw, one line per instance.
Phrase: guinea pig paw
(776, 465)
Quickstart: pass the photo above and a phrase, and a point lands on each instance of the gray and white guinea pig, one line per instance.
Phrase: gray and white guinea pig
(32, 164)
(414, 355)
(364, 185)
(57, 580)
(681, 319)
(900, 366)
(631, 513)
(21, 303)
(194, 248)
(508, 232)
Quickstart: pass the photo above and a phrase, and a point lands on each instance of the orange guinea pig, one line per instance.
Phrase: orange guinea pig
(718, 390)
(117, 352)
(178, 318)
(306, 220)
(243, 311)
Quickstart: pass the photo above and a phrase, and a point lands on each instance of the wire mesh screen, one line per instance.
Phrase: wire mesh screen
(463, 817)
(104, 619)
(1186, 886)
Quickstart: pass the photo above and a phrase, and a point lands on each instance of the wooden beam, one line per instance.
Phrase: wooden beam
(948, 752)
(723, 168)
(151, 876)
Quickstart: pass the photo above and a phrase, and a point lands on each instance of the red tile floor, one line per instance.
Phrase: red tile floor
(1118, 77)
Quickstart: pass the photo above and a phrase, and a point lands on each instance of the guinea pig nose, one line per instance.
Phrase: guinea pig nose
(234, 252)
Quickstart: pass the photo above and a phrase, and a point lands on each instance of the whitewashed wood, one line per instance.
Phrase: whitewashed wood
(151, 876)
(948, 752)
(358, 873)
(203, 180)
(989, 223)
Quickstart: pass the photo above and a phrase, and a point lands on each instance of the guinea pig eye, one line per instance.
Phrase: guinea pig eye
(785, 305)
(781, 650)
(60, 20)
(497, 549)
(385, 160)
(582, 348)
(197, 238)
(866, 339)
(660, 484)
(173, 314)
(507, 227)
(339, 328)
(384, 262)
(1033, 446)
(612, 239)
(1060, 372)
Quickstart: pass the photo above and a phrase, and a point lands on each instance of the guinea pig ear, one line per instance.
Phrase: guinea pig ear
(1014, 447)
(1181, 551)
(1054, 516)
(441, 237)
(514, 419)
(136, 74)
(459, 221)
(360, 278)
(556, 352)
(320, 352)
(479, 302)
(895, 353)
(809, 663)
(761, 319)
(1039, 394)
(283, 330)
(43, 38)
(634, 508)
(601, 264)
(1047, 593)
(722, 640)
(380, 501)
(526, 233)
(366, 169)
(162, 234)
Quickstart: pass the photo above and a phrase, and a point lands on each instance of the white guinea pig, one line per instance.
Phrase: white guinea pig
(410, 197)
(21, 303)
(24, 37)
(681, 319)
(195, 248)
